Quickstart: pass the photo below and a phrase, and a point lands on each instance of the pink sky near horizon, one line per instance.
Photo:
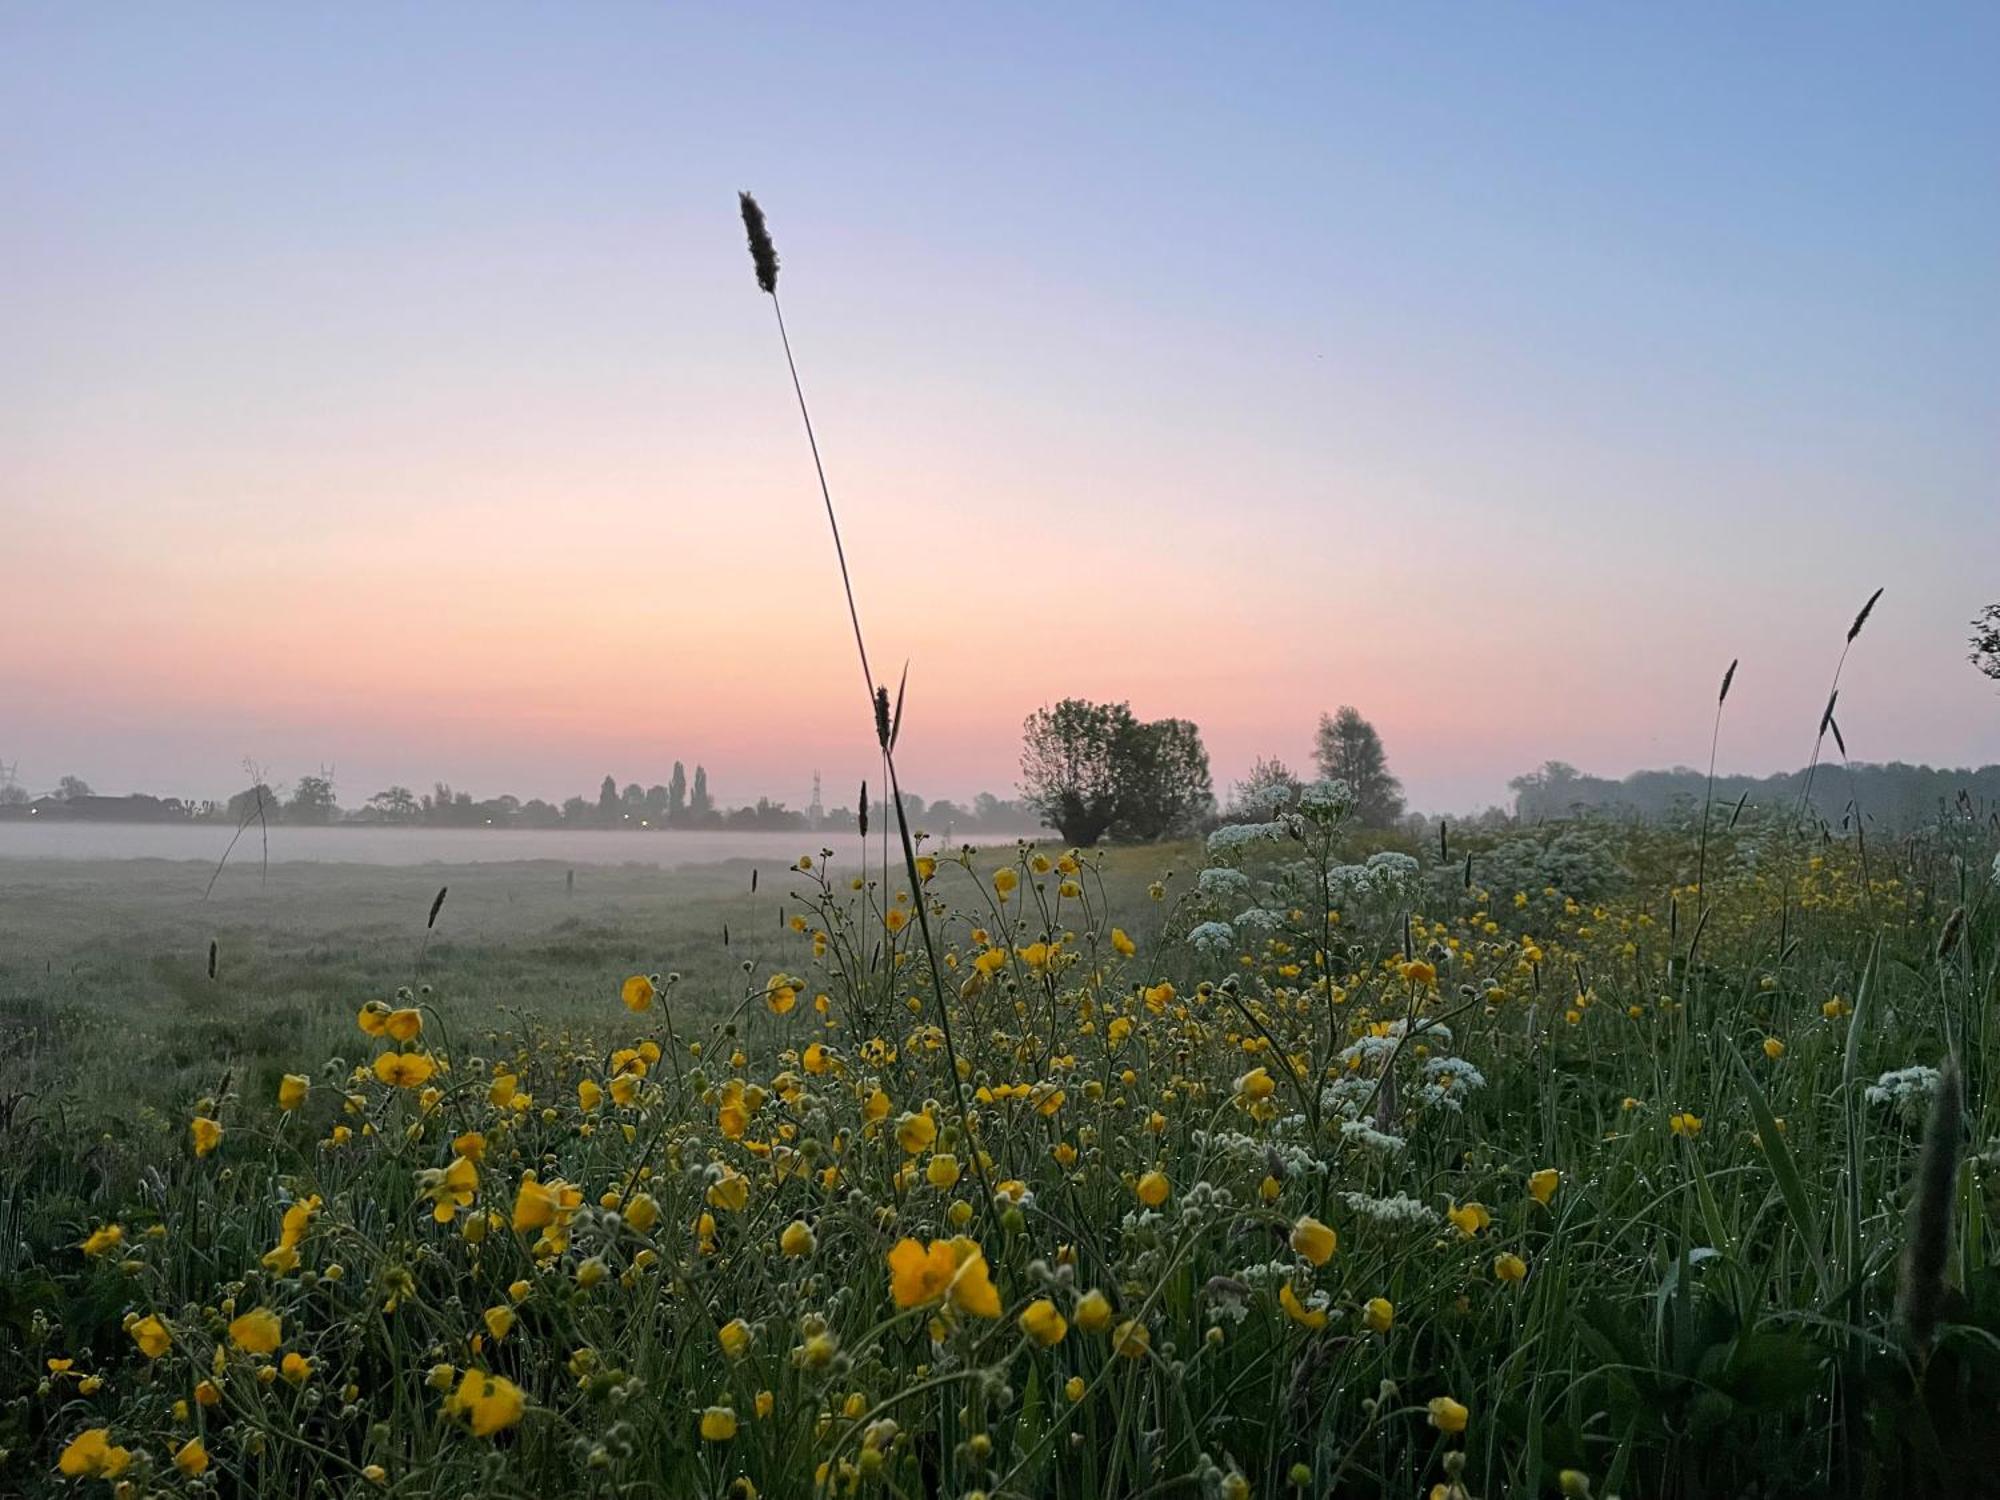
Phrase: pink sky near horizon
(448, 438)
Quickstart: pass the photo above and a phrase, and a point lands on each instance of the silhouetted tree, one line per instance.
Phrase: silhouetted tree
(246, 803)
(72, 787)
(1985, 641)
(312, 800)
(700, 804)
(607, 802)
(1163, 780)
(677, 793)
(397, 805)
(1547, 793)
(1069, 766)
(1269, 786)
(1091, 768)
(1348, 747)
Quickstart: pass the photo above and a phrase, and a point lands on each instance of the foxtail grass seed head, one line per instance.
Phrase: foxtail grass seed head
(1727, 678)
(1921, 1296)
(862, 816)
(1862, 618)
(763, 254)
(1954, 925)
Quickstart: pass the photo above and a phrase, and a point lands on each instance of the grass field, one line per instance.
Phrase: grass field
(1524, 1166)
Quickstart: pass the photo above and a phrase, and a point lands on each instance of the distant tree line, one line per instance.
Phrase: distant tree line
(1894, 797)
(681, 802)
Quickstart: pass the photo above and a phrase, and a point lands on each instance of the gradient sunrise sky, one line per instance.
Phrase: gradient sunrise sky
(386, 386)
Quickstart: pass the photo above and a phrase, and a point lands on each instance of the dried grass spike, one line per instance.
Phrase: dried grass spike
(763, 254)
(1921, 1296)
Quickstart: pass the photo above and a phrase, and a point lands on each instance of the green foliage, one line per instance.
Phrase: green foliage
(1092, 769)
(1348, 749)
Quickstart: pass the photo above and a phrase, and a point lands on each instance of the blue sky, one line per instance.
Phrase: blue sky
(1502, 371)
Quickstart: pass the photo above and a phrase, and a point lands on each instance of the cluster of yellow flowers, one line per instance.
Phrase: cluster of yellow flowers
(1102, 1167)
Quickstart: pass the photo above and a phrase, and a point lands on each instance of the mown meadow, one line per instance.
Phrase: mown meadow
(1588, 1159)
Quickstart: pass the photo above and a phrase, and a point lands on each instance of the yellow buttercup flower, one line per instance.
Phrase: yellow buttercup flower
(191, 1458)
(292, 1090)
(151, 1335)
(955, 1269)
(1447, 1416)
(916, 1132)
(103, 1240)
(735, 1338)
(92, 1455)
(450, 1189)
(206, 1134)
(403, 1025)
(1093, 1312)
(1314, 1240)
(1123, 945)
(1041, 1322)
(642, 1213)
(258, 1331)
(1508, 1266)
(1153, 1189)
(1297, 1311)
(1468, 1218)
(534, 1205)
(637, 992)
(718, 1424)
(1378, 1314)
(405, 1070)
(487, 1403)
(1542, 1185)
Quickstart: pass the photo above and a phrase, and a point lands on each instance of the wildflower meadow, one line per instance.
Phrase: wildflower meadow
(1592, 1159)
(1321, 1170)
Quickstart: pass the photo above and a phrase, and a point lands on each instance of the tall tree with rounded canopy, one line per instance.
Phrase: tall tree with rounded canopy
(1091, 768)
(1348, 747)
(1069, 766)
(1163, 780)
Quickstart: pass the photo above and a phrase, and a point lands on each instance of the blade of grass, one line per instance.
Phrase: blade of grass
(1791, 1186)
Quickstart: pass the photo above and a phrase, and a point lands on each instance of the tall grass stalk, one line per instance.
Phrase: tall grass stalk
(888, 724)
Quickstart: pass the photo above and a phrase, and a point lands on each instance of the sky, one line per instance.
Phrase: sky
(386, 387)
